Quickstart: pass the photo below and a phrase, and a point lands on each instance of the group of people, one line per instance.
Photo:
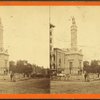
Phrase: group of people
(86, 76)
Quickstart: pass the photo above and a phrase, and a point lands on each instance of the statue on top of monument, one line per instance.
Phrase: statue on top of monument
(73, 20)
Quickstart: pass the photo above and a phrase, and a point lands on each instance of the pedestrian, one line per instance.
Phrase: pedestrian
(11, 76)
(98, 75)
(85, 76)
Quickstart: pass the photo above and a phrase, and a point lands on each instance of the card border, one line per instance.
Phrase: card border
(49, 3)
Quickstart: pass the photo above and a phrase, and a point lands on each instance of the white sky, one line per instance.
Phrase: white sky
(88, 23)
(26, 34)
(26, 31)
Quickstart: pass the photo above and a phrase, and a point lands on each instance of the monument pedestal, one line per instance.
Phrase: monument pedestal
(4, 63)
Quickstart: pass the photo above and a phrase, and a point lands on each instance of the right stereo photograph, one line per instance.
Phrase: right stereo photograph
(74, 34)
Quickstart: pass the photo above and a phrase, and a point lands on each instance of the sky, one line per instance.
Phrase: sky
(26, 31)
(26, 34)
(88, 31)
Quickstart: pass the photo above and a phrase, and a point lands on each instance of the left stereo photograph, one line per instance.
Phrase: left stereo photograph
(24, 50)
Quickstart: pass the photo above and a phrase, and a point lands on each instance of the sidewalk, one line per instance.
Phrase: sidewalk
(4, 78)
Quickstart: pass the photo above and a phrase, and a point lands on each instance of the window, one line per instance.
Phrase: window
(50, 33)
(54, 66)
(50, 48)
(50, 40)
(70, 65)
(54, 57)
(59, 62)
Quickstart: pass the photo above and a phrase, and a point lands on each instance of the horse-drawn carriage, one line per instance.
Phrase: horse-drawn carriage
(60, 76)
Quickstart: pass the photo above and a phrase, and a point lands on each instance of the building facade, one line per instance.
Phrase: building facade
(69, 60)
(4, 62)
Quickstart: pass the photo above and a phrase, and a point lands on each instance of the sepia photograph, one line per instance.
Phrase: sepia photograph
(74, 49)
(24, 50)
(49, 50)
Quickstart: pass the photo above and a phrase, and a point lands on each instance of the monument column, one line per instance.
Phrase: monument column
(4, 62)
(1, 35)
(73, 35)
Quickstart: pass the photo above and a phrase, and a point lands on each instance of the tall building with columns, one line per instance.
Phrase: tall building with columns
(4, 62)
(69, 60)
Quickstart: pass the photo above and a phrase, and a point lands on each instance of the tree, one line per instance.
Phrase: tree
(86, 66)
(20, 66)
(28, 69)
(94, 66)
(24, 67)
(94, 63)
(12, 66)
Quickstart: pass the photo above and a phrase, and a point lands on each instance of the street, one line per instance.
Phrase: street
(28, 86)
(75, 87)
